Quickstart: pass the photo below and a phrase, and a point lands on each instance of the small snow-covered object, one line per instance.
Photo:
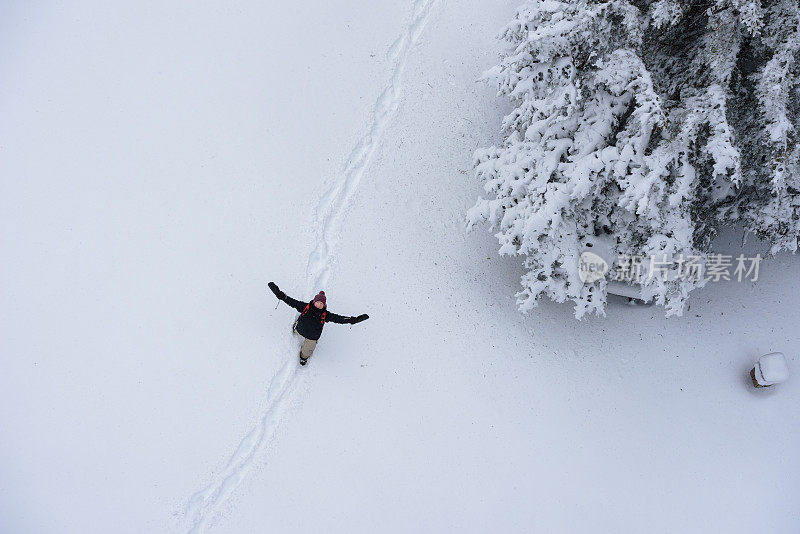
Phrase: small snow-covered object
(770, 369)
(633, 292)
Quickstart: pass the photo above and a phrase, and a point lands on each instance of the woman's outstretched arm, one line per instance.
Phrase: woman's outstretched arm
(341, 319)
(294, 303)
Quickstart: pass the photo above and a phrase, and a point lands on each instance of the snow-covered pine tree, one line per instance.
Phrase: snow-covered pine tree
(645, 125)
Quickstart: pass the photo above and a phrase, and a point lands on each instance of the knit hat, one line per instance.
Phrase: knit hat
(320, 297)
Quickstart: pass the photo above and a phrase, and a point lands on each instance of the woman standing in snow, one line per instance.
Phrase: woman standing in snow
(313, 316)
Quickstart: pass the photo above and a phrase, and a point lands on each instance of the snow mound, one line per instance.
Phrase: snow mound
(772, 369)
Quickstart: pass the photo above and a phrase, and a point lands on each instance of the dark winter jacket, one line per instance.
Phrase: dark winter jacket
(312, 320)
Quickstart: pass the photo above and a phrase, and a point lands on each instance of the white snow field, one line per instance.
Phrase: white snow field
(161, 162)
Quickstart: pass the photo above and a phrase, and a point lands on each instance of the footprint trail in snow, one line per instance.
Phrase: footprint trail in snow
(333, 203)
(206, 503)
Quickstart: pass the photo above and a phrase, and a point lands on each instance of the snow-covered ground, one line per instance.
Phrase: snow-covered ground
(159, 163)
